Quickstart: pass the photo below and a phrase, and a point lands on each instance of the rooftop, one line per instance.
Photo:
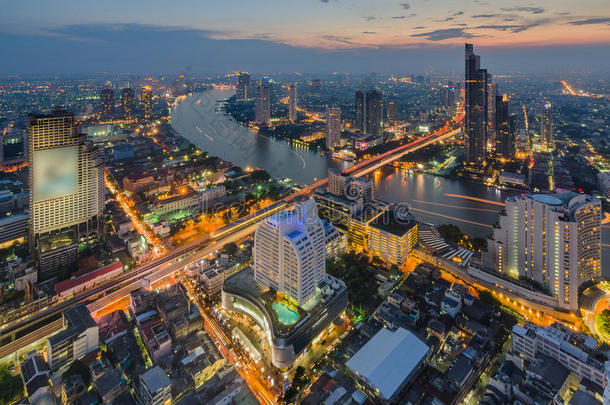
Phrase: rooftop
(394, 223)
(388, 359)
(155, 379)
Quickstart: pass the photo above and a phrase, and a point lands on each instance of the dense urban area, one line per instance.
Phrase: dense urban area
(316, 239)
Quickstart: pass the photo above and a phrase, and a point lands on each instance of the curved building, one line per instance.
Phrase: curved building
(552, 242)
(289, 329)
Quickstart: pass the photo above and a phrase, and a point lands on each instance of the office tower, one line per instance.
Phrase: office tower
(12, 150)
(369, 112)
(316, 86)
(492, 92)
(79, 337)
(290, 252)
(546, 126)
(552, 241)
(107, 102)
(146, 102)
(243, 85)
(392, 111)
(447, 96)
(128, 101)
(292, 102)
(475, 122)
(66, 190)
(263, 104)
(505, 134)
(333, 127)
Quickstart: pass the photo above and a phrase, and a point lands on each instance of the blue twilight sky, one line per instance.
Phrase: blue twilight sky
(67, 36)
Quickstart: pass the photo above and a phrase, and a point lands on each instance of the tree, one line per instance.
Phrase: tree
(12, 387)
(603, 321)
(230, 249)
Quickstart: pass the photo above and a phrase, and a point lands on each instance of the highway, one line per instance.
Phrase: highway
(193, 252)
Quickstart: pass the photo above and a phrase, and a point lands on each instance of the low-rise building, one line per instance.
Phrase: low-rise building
(79, 337)
(155, 387)
(387, 362)
(391, 237)
(575, 351)
(35, 376)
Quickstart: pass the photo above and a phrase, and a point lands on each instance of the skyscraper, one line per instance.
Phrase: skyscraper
(492, 92)
(333, 127)
(546, 126)
(263, 104)
(505, 135)
(128, 101)
(146, 102)
(475, 105)
(369, 112)
(107, 102)
(292, 102)
(392, 111)
(243, 85)
(66, 190)
(290, 252)
(550, 240)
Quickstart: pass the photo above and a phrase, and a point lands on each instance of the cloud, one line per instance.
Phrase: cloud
(533, 10)
(405, 6)
(445, 19)
(441, 35)
(458, 13)
(369, 18)
(335, 38)
(369, 32)
(487, 15)
(602, 20)
(399, 17)
(324, 1)
(419, 27)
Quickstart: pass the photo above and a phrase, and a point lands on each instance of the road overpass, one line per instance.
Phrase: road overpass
(30, 328)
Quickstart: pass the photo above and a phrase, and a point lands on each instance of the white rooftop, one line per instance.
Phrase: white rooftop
(388, 359)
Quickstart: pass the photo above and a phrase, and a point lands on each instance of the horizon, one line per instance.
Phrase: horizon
(313, 37)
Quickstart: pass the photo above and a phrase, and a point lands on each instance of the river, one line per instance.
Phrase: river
(432, 199)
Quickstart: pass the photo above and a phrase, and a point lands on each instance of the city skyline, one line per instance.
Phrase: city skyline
(326, 36)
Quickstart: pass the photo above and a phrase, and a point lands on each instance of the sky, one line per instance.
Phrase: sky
(68, 36)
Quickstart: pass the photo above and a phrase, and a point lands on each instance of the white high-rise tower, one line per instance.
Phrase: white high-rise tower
(289, 252)
(551, 240)
(292, 102)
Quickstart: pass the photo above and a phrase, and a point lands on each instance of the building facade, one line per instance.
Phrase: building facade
(475, 108)
(243, 85)
(67, 186)
(546, 126)
(146, 103)
(290, 252)
(333, 127)
(505, 136)
(128, 102)
(369, 112)
(107, 103)
(551, 241)
(292, 102)
(263, 104)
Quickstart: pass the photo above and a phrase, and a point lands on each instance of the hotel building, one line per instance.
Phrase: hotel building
(551, 242)
(66, 190)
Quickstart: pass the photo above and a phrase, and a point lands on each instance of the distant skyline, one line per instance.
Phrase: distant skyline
(66, 36)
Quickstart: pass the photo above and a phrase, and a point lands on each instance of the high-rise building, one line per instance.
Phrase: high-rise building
(107, 102)
(392, 111)
(546, 126)
(552, 241)
(263, 104)
(66, 190)
(447, 95)
(290, 252)
(352, 188)
(492, 92)
(292, 102)
(475, 106)
(128, 101)
(369, 112)
(333, 127)
(505, 134)
(243, 84)
(316, 86)
(146, 102)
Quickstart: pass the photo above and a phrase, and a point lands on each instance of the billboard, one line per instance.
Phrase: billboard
(55, 173)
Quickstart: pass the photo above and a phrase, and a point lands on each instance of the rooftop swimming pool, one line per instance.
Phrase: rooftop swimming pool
(285, 315)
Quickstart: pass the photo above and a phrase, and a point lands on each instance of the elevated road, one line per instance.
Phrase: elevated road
(19, 333)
